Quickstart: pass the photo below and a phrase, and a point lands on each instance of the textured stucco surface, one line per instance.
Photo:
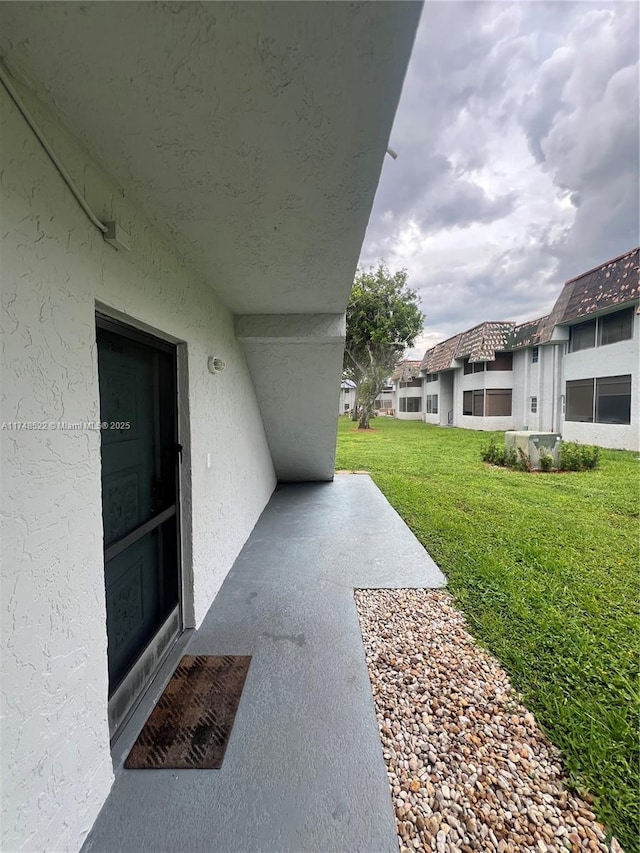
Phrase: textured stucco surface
(251, 134)
(55, 267)
(611, 360)
(536, 379)
(303, 770)
(293, 360)
(250, 137)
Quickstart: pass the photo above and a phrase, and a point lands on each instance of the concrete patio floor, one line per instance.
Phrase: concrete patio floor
(303, 769)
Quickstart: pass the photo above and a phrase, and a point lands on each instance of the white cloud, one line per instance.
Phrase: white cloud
(518, 157)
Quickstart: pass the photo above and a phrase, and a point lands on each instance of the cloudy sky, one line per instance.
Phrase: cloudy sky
(517, 136)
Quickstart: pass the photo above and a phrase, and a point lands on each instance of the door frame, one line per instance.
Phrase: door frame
(127, 697)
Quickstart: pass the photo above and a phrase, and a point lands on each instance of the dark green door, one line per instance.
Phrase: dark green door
(138, 410)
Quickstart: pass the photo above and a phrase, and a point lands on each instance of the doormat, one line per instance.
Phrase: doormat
(190, 726)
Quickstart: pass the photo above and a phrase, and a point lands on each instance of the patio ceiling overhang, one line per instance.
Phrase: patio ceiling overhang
(251, 135)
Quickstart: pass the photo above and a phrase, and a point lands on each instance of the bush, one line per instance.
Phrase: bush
(573, 457)
(546, 459)
(523, 462)
(505, 457)
(511, 458)
(494, 453)
(590, 456)
(578, 457)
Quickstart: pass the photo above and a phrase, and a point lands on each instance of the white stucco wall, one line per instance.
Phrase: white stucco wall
(429, 389)
(486, 424)
(55, 267)
(294, 359)
(535, 379)
(405, 393)
(347, 398)
(612, 360)
(474, 381)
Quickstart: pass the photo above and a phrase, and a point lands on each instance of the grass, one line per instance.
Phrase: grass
(545, 568)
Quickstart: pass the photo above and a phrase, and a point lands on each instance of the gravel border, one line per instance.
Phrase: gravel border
(468, 767)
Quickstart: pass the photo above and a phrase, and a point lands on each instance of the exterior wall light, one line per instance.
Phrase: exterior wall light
(216, 365)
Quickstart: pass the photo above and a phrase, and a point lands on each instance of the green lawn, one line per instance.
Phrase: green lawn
(545, 567)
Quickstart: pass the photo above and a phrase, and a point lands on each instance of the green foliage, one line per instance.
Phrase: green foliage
(383, 320)
(494, 453)
(546, 459)
(523, 462)
(573, 457)
(511, 459)
(545, 569)
(578, 457)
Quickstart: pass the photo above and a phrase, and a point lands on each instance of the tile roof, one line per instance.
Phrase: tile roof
(440, 357)
(479, 343)
(406, 370)
(612, 283)
(526, 334)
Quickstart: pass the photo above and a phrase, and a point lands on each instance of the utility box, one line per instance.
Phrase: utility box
(531, 443)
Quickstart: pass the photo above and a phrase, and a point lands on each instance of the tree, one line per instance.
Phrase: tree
(383, 319)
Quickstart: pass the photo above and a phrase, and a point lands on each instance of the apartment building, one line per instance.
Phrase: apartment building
(383, 403)
(407, 384)
(575, 371)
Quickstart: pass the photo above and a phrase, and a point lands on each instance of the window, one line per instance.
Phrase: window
(346, 407)
(580, 401)
(377, 404)
(606, 400)
(387, 388)
(431, 404)
(386, 404)
(613, 400)
(410, 404)
(432, 377)
(498, 403)
(582, 336)
(615, 327)
(535, 355)
(502, 361)
(475, 367)
(473, 403)
(534, 404)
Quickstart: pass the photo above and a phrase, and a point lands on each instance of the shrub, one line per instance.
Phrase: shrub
(590, 456)
(569, 456)
(493, 453)
(578, 457)
(511, 458)
(506, 457)
(524, 462)
(573, 457)
(546, 459)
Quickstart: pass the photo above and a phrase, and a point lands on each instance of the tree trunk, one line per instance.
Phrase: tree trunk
(365, 416)
(354, 411)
